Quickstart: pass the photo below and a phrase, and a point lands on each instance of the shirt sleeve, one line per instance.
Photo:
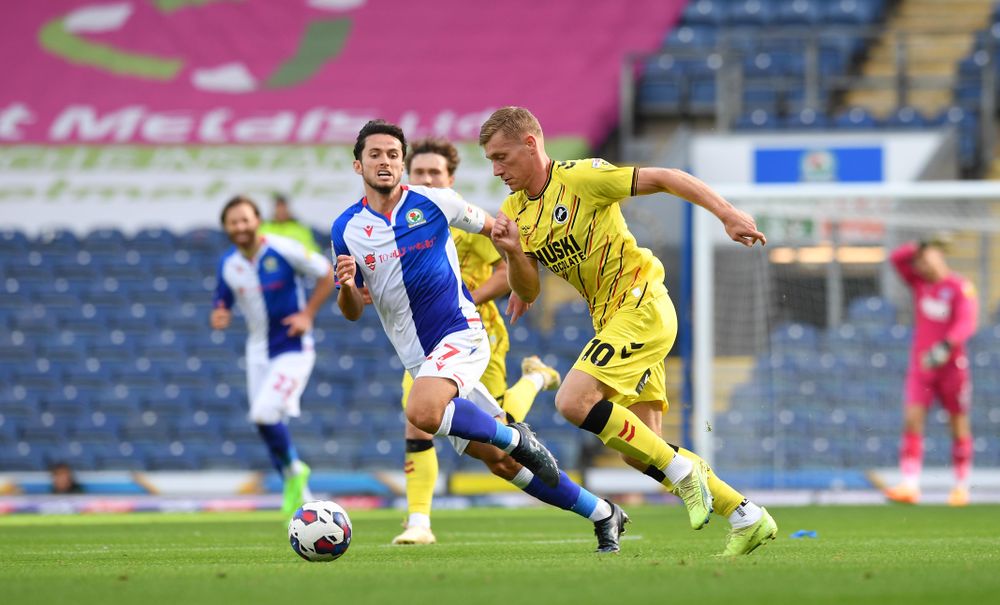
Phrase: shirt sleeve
(338, 246)
(902, 260)
(223, 293)
(600, 182)
(460, 213)
(302, 260)
(965, 315)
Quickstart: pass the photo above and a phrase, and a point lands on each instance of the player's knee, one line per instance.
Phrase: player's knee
(573, 406)
(423, 417)
(264, 414)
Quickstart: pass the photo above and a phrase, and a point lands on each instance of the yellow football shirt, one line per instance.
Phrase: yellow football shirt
(476, 257)
(576, 229)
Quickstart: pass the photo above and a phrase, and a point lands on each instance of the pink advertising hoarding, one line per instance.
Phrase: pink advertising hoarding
(163, 72)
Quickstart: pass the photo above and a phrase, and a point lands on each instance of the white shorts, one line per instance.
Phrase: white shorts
(462, 357)
(275, 386)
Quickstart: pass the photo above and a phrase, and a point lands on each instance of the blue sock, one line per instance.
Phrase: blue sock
(567, 495)
(279, 445)
(470, 422)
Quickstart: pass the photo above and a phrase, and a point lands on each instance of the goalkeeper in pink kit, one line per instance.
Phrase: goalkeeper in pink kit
(944, 310)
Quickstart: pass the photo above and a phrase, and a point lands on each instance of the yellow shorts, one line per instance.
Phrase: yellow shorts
(629, 352)
(495, 376)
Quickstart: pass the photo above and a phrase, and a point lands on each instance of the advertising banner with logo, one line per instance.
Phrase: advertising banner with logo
(178, 83)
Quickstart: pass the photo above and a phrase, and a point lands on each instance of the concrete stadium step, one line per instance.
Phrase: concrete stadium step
(935, 37)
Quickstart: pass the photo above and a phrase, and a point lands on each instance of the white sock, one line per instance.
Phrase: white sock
(449, 413)
(912, 481)
(537, 379)
(678, 468)
(601, 511)
(295, 467)
(745, 515)
(522, 478)
(419, 520)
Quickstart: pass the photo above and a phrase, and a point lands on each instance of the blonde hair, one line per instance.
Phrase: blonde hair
(514, 122)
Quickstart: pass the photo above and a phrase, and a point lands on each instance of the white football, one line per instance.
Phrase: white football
(320, 531)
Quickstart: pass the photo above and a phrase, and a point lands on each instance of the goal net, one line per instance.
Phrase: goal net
(800, 360)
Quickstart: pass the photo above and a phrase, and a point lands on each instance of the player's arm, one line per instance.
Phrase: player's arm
(301, 322)
(222, 301)
(965, 316)
(739, 225)
(522, 270)
(494, 287)
(349, 298)
(902, 260)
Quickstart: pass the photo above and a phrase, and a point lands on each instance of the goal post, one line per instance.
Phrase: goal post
(800, 347)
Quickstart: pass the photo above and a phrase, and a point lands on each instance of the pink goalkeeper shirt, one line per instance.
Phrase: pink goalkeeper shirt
(943, 310)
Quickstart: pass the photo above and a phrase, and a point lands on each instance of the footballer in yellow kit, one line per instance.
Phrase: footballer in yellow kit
(576, 229)
(565, 215)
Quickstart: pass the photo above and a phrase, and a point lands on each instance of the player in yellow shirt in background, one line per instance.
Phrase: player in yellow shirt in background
(432, 162)
(566, 215)
(283, 223)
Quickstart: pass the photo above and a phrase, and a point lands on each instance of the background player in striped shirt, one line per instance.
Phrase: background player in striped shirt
(263, 275)
(432, 162)
(945, 310)
(566, 216)
(397, 242)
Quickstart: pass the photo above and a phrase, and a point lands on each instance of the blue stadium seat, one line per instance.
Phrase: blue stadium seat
(22, 457)
(906, 117)
(173, 456)
(104, 240)
(798, 12)
(13, 240)
(758, 96)
(706, 12)
(381, 454)
(807, 119)
(688, 36)
(752, 13)
(855, 118)
(661, 95)
(757, 119)
(154, 241)
(871, 310)
(849, 12)
(57, 242)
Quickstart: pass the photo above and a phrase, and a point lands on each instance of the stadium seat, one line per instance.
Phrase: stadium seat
(855, 118)
(906, 117)
(871, 310)
(757, 119)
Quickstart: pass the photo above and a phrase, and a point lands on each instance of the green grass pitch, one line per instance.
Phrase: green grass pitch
(878, 555)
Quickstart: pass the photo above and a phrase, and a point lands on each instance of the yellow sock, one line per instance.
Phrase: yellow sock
(421, 470)
(622, 431)
(517, 400)
(726, 499)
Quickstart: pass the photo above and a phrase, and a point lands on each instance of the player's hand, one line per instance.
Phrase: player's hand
(516, 307)
(298, 323)
(346, 268)
(741, 228)
(221, 316)
(504, 234)
(365, 295)
(937, 355)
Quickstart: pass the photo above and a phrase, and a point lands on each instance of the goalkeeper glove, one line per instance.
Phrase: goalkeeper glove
(937, 355)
